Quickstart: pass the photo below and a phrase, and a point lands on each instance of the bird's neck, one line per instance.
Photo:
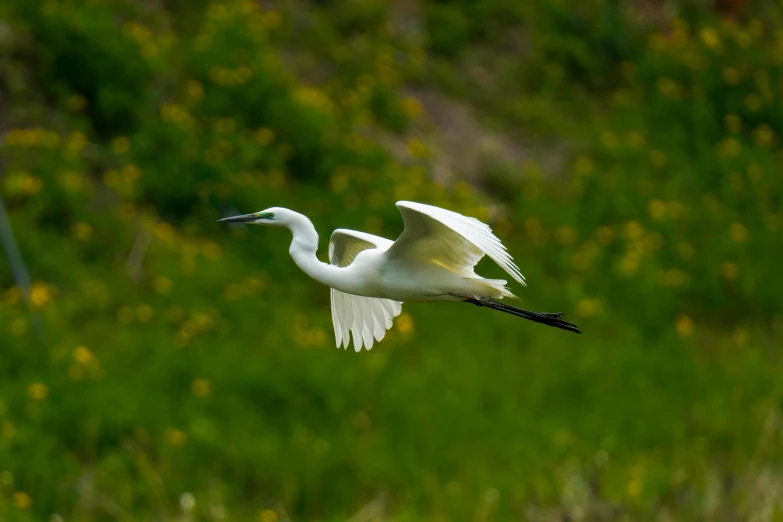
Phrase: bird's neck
(304, 246)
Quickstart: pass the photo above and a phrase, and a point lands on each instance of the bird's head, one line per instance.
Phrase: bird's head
(275, 216)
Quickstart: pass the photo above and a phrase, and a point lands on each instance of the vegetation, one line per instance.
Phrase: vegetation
(161, 366)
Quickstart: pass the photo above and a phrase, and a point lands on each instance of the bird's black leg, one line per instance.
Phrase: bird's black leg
(553, 319)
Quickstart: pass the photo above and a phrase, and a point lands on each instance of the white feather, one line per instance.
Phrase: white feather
(366, 318)
(433, 233)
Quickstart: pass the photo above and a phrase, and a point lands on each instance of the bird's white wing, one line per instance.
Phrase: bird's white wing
(444, 237)
(365, 318)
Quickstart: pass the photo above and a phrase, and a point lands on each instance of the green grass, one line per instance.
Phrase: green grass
(180, 360)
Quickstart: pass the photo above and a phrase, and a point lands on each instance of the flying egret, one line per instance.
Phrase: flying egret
(370, 276)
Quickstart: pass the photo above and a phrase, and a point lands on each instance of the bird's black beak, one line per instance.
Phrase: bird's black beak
(244, 218)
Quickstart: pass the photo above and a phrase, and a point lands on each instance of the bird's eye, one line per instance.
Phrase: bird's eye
(270, 215)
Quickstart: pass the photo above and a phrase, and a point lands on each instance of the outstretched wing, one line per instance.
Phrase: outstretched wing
(345, 245)
(365, 318)
(444, 237)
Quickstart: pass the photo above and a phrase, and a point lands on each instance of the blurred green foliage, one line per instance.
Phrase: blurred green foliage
(182, 371)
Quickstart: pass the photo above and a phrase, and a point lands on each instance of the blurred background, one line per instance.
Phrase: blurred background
(155, 365)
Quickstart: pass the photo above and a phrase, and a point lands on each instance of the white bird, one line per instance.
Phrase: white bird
(370, 276)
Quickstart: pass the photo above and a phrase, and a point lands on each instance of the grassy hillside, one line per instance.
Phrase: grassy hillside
(160, 366)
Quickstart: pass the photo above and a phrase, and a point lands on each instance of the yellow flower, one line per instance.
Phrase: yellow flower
(633, 230)
(163, 231)
(194, 90)
(565, 235)
(267, 515)
(176, 438)
(162, 285)
(39, 295)
(738, 232)
(710, 38)
(658, 158)
(178, 115)
(634, 487)
(144, 313)
(657, 209)
(417, 148)
(272, 19)
(22, 500)
(729, 148)
(264, 137)
(729, 270)
(404, 324)
(740, 337)
(22, 182)
(763, 136)
(201, 387)
(37, 391)
(629, 264)
(136, 32)
(684, 326)
(81, 231)
(412, 107)
(83, 356)
(588, 307)
(71, 180)
(181, 339)
(131, 173)
(583, 165)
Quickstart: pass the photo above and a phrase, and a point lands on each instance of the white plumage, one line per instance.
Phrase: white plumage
(370, 276)
(366, 318)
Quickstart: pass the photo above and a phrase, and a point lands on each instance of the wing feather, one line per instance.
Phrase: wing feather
(363, 319)
(338, 329)
(442, 236)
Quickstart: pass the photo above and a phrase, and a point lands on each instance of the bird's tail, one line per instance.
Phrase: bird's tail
(494, 287)
(551, 319)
